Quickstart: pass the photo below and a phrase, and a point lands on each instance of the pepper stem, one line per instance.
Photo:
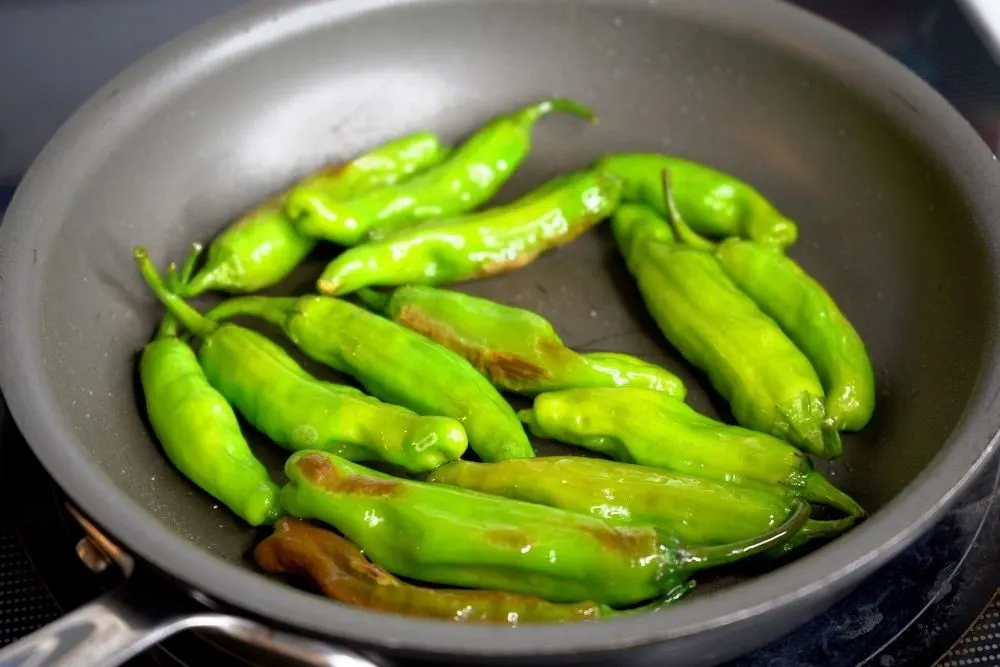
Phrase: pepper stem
(190, 318)
(691, 559)
(373, 300)
(273, 309)
(819, 489)
(533, 112)
(682, 230)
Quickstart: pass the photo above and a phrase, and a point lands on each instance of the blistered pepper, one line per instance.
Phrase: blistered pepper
(446, 535)
(470, 176)
(494, 241)
(695, 509)
(297, 411)
(261, 248)
(394, 364)
(198, 429)
(651, 429)
(770, 384)
(714, 203)
(343, 573)
(518, 350)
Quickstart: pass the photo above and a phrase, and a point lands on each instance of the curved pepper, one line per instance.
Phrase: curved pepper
(296, 410)
(343, 573)
(199, 431)
(652, 429)
(260, 249)
(811, 318)
(394, 364)
(714, 203)
(695, 509)
(516, 349)
(448, 535)
(468, 178)
(770, 385)
(495, 241)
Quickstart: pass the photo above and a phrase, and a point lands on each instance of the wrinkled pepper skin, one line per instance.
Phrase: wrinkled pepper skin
(489, 243)
(770, 384)
(651, 429)
(343, 573)
(714, 203)
(199, 432)
(446, 535)
(296, 410)
(811, 318)
(516, 349)
(260, 249)
(469, 177)
(394, 364)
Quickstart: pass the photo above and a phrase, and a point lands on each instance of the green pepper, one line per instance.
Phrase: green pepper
(695, 509)
(468, 178)
(714, 203)
(296, 410)
(343, 573)
(811, 318)
(197, 428)
(516, 349)
(495, 241)
(770, 385)
(260, 249)
(394, 364)
(651, 429)
(447, 535)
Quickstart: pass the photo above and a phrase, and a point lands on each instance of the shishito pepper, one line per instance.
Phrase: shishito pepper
(447, 535)
(518, 350)
(198, 429)
(695, 509)
(494, 241)
(262, 247)
(343, 573)
(811, 318)
(470, 176)
(395, 364)
(714, 203)
(296, 410)
(770, 384)
(652, 429)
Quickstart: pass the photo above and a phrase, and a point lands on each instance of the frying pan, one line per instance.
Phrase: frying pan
(896, 197)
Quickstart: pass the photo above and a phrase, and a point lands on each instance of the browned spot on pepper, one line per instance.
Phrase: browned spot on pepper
(507, 265)
(508, 537)
(318, 470)
(636, 542)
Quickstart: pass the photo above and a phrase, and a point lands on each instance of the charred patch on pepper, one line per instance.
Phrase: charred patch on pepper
(507, 265)
(509, 537)
(317, 469)
(638, 542)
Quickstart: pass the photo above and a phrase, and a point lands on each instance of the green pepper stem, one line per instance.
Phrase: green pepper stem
(373, 299)
(819, 489)
(533, 112)
(273, 309)
(682, 230)
(691, 559)
(190, 318)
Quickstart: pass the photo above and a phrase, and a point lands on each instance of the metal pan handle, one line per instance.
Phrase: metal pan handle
(116, 627)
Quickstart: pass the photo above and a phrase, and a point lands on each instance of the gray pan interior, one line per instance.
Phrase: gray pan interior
(894, 195)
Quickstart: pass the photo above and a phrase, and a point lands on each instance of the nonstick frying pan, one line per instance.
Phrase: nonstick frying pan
(896, 198)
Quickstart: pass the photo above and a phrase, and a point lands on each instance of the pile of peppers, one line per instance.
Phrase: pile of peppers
(421, 470)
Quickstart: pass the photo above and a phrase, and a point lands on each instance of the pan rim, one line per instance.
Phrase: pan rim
(906, 98)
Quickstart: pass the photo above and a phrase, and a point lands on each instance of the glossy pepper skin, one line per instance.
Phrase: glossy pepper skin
(495, 241)
(446, 535)
(198, 430)
(695, 509)
(811, 318)
(260, 249)
(714, 203)
(469, 177)
(516, 349)
(770, 384)
(394, 364)
(343, 573)
(651, 429)
(296, 410)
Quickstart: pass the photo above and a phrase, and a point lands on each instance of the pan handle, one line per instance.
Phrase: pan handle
(116, 627)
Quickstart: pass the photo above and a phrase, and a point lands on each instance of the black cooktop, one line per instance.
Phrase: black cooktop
(936, 604)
